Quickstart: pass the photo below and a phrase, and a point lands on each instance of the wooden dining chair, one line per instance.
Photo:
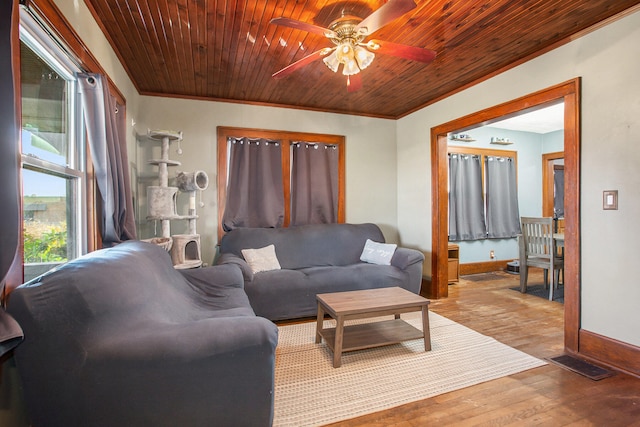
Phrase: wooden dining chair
(538, 249)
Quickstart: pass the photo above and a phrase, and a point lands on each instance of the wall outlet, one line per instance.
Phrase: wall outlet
(492, 254)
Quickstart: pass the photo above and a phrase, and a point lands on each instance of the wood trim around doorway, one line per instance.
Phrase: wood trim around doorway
(567, 92)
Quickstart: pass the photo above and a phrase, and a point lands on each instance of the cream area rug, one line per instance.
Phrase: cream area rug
(310, 392)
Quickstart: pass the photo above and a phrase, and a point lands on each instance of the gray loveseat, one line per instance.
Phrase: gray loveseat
(121, 338)
(315, 259)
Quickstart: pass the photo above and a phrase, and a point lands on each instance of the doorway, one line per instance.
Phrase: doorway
(569, 93)
(553, 187)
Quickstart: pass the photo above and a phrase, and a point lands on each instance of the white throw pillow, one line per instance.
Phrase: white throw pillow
(378, 253)
(262, 259)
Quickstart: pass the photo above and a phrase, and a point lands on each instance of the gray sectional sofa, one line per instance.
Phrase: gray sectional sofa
(120, 338)
(315, 259)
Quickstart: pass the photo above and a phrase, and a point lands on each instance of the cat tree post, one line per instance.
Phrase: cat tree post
(161, 200)
(186, 250)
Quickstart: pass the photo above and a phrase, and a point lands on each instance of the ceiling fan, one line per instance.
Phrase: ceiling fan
(350, 50)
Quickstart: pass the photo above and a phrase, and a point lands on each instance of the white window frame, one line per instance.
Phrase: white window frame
(51, 51)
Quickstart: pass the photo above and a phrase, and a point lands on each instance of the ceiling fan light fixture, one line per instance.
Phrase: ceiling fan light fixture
(348, 34)
(363, 57)
(350, 68)
(332, 61)
(344, 52)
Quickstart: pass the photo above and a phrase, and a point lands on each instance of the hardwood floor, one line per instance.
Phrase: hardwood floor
(547, 396)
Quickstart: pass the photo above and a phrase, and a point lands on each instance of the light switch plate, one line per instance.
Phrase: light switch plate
(610, 200)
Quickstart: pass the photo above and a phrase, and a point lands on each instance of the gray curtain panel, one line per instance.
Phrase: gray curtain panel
(106, 124)
(255, 196)
(466, 205)
(503, 216)
(314, 183)
(10, 332)
(558, 197)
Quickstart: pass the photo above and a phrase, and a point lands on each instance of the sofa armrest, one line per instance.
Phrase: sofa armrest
(410, 261)
(229, 258)
(404, 257)
(187, 342)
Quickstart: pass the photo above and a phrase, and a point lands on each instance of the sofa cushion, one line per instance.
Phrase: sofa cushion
(261, 259)
(281, 294)
(354, 277)
(306, 245)
(286, 294)
(378, 253)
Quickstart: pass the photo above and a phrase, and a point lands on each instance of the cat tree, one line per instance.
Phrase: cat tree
(161, 204)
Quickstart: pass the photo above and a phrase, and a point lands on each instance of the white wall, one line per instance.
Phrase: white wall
(370, 155)
(607, 60)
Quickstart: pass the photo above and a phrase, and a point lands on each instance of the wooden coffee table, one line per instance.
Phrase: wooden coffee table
(362, 304)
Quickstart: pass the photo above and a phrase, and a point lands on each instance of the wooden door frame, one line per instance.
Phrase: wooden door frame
(567, 92)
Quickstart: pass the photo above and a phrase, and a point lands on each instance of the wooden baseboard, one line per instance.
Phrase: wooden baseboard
(609, 352)
(483, 267)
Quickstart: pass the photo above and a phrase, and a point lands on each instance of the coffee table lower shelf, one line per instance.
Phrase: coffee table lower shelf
(369, 335)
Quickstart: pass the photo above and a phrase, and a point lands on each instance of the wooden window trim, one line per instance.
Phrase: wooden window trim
(286, 138)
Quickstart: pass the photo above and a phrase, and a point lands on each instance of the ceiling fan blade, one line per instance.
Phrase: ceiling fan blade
(354, 82)
(386, 13)
(299, 25)
(301, 63)
(402, 51)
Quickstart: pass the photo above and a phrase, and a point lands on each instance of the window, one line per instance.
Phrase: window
(288, 146)
(483, 199)
(53, 155)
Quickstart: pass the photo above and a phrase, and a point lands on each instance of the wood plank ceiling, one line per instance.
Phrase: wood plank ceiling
(227, 50)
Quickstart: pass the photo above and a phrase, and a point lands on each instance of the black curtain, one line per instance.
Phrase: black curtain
(10, 331)
(314, 183)
(255, 196)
